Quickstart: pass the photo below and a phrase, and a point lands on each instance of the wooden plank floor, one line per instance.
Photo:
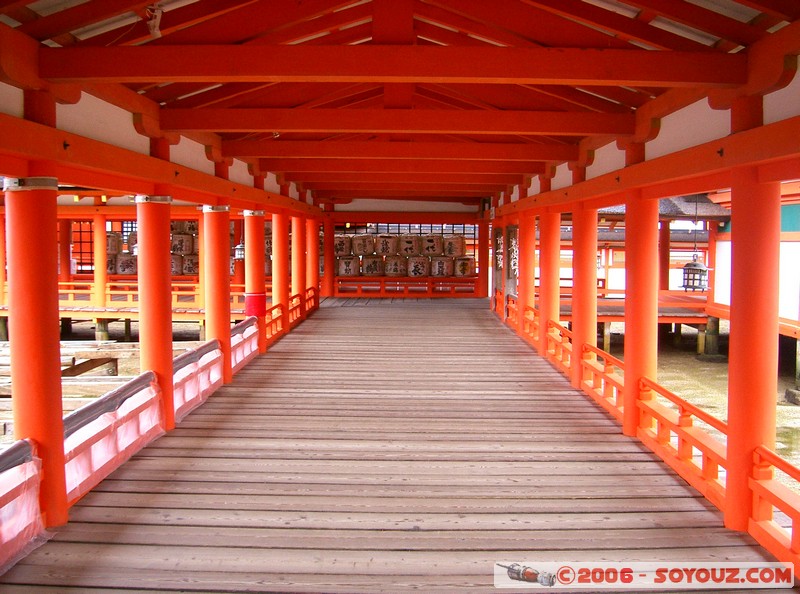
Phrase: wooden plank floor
(380, 449)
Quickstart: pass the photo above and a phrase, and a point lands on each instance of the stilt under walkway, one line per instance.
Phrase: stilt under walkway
(379, 449)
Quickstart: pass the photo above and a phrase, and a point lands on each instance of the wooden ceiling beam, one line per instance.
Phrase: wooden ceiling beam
(401, 166)
(406, 179)
(398, 121)
(399, 64)
(475, 151)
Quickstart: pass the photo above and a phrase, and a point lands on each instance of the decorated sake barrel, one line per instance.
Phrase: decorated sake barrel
(113, 243)
(455, 245)
(126, 264)
(410, 245)
(418, 265)
(342, 245)
(133, 239)
(268, 245)
(465, 266)
(372, 266)
(176, 267)
(386, 245)
(267, 267)
(191, 227)
(232, 263)
(177, 226)
(441, 266)
(191, 264)
(349, 266)
(195, 244)
(182, 244)
(396, 266)
(111, 263)
(362, 245)
(432, 245)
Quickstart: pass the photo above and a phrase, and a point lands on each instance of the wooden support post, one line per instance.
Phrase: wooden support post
(100, 261)
(216, 245)
(127, 331)
(663, 255)
(712, 336)
(30, 206)
(549, 272)
(312, 253)
(526, 287)
(101, 329)
(606, 336)
(584, 287)
(753, 352)
(483, 259)
(299, 259)
(255, 295)
(641, 303)
(329, 265)
(155, 298)
(280, 262)
(66, 327)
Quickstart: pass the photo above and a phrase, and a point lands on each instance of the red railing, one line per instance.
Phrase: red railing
(559, 346)
(296, 310)
(20, 477)
(276, 324)
(603, 378)
(781, 536)
(667, 426)
(512, 311)
(244, 343)
(311, 299)
(196, 374)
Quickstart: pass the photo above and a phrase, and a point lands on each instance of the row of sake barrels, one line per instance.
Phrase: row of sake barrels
(180, 265)
(406, 245)
(414, 266)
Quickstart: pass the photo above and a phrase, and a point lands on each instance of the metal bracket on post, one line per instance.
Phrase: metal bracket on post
(29, 184)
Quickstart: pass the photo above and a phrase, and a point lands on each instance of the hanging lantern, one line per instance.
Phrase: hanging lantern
(695, 275)
(238, 252)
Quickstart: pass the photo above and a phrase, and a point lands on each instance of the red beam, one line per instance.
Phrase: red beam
(398, 121)
(362, 63)
(474, 151)
(430, 188)
(501, 179)
(400, 166)
(434, 218)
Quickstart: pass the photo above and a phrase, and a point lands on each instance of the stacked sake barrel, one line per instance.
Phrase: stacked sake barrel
(184, 248)
(117, 260)
(406, 255)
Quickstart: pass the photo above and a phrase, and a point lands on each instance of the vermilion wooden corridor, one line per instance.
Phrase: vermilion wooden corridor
(378, 449)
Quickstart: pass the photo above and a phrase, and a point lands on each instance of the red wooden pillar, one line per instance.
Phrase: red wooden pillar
(64, 244)
(34, 330)
(99, 260)
(753, 347)
(329, 265)
(549, 272)
(484, 264)
(280, 261)
(641, 302)
(255, 296)
(526, 283)
(3, 296)
(155, 297)
(312, 253)
(663, 255)
(299, 257)
(584, 287)
(216, 245)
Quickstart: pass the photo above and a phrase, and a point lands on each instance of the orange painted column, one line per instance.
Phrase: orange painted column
(299, 258)
(663, 255)
(484, 264)
(328, 253)
(3, 296)
(64, 244)
(753, 347)
(216, 245)
(526, 283)
(255, 296)
(99, 260)
(312, 253)
(280, 262)
(584, 287)
(641, 302)
(34, 330)
(549, 273)
(155, 297)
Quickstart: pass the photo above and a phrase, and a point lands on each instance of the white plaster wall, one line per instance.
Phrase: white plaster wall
(690, 126)
(784, 103)
(535, 187)
(563, 177)
(271, 184)
(722, 272)
(238, 173)
(789, 281)
(191, 154)
(606, 159)
(366, 205)
(96, 119)
(11, 99)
